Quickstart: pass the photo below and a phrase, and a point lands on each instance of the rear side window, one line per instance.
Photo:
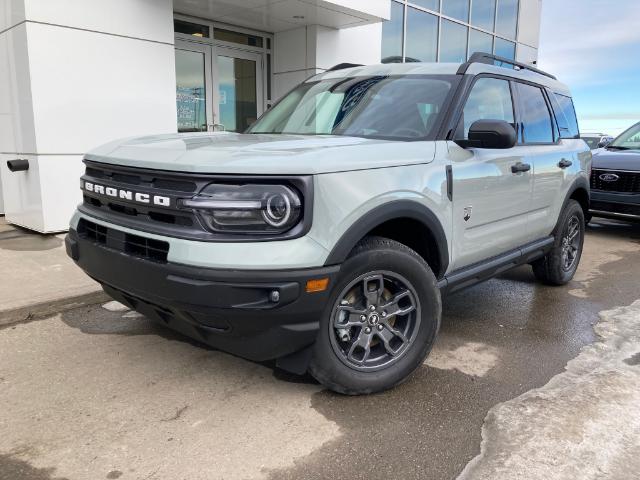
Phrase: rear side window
(565, 115)
(490, 99)
(534, 114)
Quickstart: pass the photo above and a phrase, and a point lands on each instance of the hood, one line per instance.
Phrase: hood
(617, 160)
(271, 154)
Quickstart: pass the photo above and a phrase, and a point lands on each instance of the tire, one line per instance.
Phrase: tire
(401, 329)
(553, 269)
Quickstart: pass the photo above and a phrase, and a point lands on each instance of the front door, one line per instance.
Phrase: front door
(217, 88)
(490, 202)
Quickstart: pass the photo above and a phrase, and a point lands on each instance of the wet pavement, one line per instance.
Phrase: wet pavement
(104, 393)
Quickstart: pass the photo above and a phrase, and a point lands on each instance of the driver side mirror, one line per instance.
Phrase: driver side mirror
(604, 143)
(496, 134)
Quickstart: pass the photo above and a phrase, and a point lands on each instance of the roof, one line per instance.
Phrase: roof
(419, 68)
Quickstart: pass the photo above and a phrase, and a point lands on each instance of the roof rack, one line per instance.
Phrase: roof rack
(489, 59)
(342, 66)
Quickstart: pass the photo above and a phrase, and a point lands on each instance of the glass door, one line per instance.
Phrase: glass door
(217, 88)
(193, 83)
(238, 76)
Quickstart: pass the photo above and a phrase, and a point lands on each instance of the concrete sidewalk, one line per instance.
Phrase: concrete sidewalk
(38, 278)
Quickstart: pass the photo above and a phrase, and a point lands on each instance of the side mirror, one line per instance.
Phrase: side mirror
(496, 134)
(603, 143)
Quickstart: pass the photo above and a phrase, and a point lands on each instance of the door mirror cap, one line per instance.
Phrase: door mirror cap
(495, 134)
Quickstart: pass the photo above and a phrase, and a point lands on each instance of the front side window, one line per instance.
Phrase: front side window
(402, 107)
(565, 115)
(490, 99)
(535, 116)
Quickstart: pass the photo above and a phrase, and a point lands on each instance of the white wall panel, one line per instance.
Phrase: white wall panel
(147, 19)
(60, 192)
(375, 8)
(529, 22)
(290, 50)
(526, 54)
(351, 45)
(83, 97)
(22, 197)
(17, 132)
(11, 13)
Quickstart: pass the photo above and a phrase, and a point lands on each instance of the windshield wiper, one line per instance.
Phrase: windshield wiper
(615, 147)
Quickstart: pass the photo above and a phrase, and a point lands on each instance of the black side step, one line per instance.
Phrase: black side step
(479, 272)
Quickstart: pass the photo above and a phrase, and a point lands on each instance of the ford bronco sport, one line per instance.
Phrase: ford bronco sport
(325, 235)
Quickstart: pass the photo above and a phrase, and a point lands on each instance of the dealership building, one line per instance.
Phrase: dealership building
(75, 74)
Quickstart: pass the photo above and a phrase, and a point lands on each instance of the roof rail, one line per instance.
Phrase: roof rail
(489, 59)
(342, 66)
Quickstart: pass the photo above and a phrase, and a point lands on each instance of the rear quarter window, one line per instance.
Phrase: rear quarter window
(565, 114)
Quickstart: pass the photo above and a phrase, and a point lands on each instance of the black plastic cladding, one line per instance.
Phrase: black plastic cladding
(173, 221)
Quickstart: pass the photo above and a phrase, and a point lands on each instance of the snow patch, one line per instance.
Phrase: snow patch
(584, 423)
(472, 358)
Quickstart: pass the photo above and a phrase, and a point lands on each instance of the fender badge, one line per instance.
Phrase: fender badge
(467, 213)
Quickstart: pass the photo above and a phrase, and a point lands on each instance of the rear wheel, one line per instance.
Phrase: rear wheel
(559, 265)
(381, 322)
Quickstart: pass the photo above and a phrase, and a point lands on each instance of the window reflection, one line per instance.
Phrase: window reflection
(422, 36)
(490, 99)
(507, 18)
(392, 35)
(480, 42)
(458, 9)
(190, 91)
(483, 14)
(428, 4)
(505, 48)
(454, 42)
(536, 119)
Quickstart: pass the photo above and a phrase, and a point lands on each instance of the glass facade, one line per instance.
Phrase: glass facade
(449, 30)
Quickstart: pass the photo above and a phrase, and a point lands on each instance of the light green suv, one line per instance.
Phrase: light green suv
(325, 236)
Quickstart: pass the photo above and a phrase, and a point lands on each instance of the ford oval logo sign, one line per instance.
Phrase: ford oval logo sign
(609, 177)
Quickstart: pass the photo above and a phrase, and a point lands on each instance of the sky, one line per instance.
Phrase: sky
(594, 47)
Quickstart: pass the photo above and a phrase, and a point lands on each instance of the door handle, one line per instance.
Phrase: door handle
(520, 167)
(564, 163)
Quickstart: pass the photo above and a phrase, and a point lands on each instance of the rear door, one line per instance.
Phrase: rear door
(491, 203)
(550, 157)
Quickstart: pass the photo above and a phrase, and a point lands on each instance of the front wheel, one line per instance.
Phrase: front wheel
(381, 321)
(559, 265)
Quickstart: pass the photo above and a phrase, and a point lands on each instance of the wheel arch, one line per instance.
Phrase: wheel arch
(405, 221)
(579, 191)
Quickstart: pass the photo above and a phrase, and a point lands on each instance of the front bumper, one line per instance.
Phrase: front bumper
(616, 205)
(232, 310)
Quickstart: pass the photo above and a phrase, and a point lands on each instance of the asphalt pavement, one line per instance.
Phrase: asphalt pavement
(525, 381)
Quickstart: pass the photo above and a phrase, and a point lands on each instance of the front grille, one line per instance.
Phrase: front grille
(168, 184)
(135, 245)
(627, 182)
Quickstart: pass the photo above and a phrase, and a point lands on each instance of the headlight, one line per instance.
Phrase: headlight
(250, 208)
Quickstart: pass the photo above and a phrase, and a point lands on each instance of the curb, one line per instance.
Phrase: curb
(43, 310)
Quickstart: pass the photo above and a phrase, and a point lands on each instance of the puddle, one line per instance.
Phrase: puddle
(20, 240)
(12, 468)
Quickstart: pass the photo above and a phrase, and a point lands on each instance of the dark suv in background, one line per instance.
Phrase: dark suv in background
(615, 178)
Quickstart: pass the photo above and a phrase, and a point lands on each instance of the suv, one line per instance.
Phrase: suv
(615, 179)
(325, 235)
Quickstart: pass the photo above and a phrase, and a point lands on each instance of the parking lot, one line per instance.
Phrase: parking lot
(101, 392)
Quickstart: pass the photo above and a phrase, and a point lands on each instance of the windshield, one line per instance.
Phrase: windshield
(406, 107)
(629, 140)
